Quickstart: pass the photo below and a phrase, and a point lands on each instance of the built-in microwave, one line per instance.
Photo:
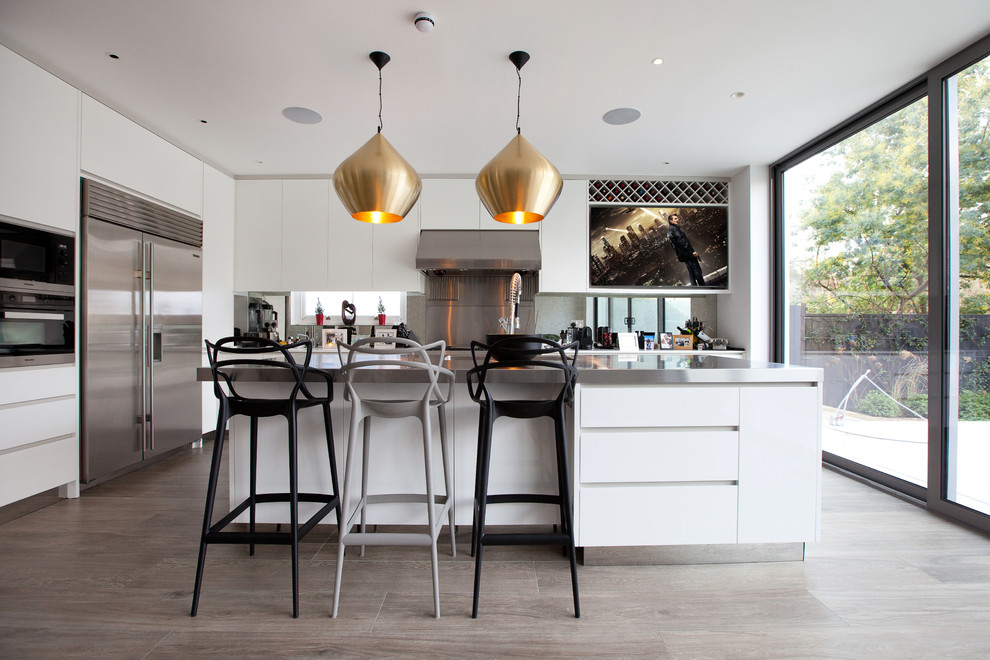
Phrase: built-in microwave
(36, 328)
(35, 257)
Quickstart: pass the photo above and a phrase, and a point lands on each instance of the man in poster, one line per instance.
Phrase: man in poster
(685, 252)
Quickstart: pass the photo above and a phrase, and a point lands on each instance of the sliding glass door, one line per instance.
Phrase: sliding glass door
(882, 231)
(856, 267)
(967, 453)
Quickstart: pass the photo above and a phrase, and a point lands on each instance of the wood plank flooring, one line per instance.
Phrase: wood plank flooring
(110, 575)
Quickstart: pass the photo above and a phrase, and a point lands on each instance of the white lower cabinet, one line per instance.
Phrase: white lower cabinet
(696, 464)
(39, 447)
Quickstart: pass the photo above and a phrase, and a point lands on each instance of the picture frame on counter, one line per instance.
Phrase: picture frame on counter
(665, 340)
(683, 342)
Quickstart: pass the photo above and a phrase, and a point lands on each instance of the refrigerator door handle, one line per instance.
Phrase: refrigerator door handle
(143, 376)
(150, 389)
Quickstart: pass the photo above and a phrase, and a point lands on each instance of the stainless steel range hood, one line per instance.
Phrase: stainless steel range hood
(448, 251)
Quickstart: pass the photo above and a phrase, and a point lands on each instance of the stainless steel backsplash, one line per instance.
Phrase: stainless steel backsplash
(460, 308)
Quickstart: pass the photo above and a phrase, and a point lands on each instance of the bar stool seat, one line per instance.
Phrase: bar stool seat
(382, 356)
(514, 353)
(241, 398)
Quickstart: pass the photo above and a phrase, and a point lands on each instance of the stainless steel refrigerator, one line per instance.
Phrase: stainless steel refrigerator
(140, 331)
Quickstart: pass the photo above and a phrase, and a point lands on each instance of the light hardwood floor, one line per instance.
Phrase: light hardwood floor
(110, 575)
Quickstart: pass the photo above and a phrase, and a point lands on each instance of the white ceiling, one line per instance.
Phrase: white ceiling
(450, 95)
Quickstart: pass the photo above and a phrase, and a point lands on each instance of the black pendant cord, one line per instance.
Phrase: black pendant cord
(518, 101)
(379, 100)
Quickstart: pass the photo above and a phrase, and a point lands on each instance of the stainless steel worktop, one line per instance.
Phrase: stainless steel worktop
(614, 369)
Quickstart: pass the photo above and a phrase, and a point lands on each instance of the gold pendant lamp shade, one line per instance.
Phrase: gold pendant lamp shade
(375, 183)
(519, 185)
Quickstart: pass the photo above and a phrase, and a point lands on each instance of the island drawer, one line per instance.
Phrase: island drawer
(657, 515)
(657, 456)
(618, 407)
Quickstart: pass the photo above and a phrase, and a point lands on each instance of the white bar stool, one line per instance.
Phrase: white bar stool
(374, 362)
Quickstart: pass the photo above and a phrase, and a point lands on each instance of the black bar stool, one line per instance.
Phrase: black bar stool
(236, 398)
(522, 353)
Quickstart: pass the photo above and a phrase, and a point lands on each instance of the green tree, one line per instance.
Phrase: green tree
(868, 221)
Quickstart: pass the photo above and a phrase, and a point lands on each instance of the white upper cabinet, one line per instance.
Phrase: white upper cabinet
(258, 236)
(394, 254)
(450, 204)
(564, 241)
(305, 234)
(454, 204)
(39, 167)
(116, 149)
(350, 251)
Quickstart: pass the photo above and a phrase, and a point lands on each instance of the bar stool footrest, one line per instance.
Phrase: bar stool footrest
(525, 539)
(217, 535)
(528, 498)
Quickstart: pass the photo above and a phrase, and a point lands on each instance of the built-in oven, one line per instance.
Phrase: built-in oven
(36, 328)
(33, 257)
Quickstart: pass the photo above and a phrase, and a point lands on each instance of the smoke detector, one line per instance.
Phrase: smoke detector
(424, 22)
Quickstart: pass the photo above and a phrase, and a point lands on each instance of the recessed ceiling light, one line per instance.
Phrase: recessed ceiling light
(658, 60)
(302, 115)
(737, 95)
(202, 121)
(113, 56)
(621, 116)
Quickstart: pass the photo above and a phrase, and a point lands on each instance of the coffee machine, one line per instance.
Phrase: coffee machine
(262, 319)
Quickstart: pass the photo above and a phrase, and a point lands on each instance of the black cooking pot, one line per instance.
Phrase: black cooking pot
(519, 346)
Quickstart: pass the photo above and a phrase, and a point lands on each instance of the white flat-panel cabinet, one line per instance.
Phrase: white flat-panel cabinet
(39, 169)
(780, 455)
(394, 255)
(350, 251)
(258, 236)
(450, 204)
(39, 446)
(454, 204)
(697, 464)
(116, 149)
(305, 234)
(564, 241)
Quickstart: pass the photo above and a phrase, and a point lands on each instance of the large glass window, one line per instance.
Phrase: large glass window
(968, 359)
(856, 287)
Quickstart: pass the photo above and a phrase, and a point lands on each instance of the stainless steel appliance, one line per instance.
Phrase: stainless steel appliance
(32, 257)
(140, 332)
(469, 284)
(262, 319)
(36, 327)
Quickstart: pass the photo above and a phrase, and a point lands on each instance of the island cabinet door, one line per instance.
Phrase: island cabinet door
(780, 461)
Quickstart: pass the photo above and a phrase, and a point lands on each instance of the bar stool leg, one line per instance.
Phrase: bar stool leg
(294, 510)
(253, 479)
(431, 509)
(482, 425)
(332, 455)
(346, 503)
(563, 476)
(211, 493)
(365, 460)
(447, 477)
(485, 453)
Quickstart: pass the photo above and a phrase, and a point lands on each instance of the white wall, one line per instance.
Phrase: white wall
(744, 315)
(218, 270)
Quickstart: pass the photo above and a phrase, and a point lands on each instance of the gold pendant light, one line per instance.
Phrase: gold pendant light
(375, 183)
(519, 185)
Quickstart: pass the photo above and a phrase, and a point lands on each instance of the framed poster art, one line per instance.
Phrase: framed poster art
(661, 248)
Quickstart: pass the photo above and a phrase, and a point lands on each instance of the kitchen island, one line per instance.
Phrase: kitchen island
(666, 449)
